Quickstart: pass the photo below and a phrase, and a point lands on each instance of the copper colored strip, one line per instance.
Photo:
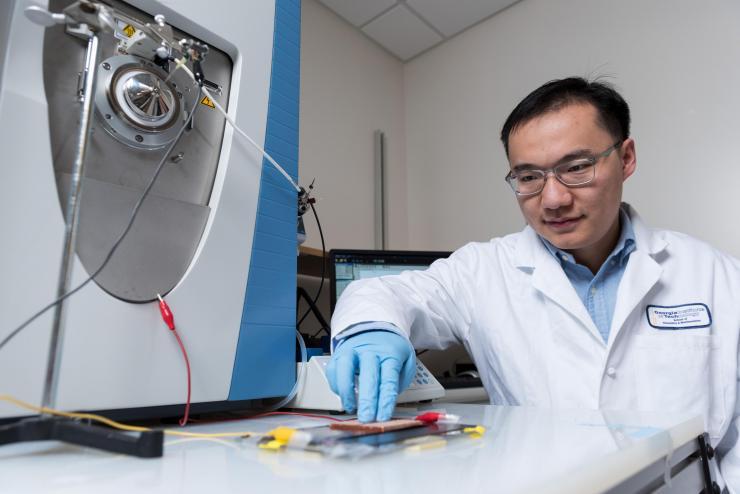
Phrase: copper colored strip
(391, 425)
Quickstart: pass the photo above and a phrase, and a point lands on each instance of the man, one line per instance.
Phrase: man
(585, 308)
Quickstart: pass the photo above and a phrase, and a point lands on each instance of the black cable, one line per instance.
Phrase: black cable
(123, 234)
(323, 269)
(302, 294)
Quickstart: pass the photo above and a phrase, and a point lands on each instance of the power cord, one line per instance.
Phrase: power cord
(169, 320)
(323, 271)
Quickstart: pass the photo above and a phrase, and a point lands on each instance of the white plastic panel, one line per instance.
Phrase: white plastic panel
(117, 354)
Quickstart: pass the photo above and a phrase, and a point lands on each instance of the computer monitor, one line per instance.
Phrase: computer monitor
(349, 265)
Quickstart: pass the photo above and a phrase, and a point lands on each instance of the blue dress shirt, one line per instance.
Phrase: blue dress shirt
(599, 292)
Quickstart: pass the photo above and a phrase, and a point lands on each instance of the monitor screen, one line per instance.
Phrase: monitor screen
(351, 265)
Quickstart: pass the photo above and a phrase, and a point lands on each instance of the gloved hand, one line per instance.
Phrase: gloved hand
(386, 363)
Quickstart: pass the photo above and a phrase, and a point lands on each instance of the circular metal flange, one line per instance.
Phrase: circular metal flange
(136, 103)
(144, 98)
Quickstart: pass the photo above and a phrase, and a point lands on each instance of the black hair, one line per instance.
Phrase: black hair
(614, 113)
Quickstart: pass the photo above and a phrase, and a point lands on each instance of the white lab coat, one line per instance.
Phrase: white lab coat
(512, 306)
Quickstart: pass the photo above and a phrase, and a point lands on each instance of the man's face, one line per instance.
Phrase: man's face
(582, 219)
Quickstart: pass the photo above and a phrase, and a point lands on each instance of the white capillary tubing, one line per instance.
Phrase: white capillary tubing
(181, 64)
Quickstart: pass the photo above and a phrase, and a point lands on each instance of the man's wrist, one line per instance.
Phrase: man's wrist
(364, 327)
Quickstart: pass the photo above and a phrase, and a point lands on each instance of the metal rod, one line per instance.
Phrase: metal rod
(71, 220)
(380, 210)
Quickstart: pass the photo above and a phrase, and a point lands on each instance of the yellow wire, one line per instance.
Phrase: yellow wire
(118, 425)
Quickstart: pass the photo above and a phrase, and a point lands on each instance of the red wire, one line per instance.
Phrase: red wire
(169, 320)
(311, 415)
(184, 419)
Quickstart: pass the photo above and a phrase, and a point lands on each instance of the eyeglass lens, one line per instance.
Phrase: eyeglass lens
(574, 173)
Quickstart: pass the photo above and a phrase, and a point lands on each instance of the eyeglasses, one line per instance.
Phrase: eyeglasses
(573, 173)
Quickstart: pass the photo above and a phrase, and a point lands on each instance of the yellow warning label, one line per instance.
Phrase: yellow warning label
(129, 30)
(207, 101)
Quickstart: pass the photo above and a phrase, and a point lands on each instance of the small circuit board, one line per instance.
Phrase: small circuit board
(353, 439)
(375, 427)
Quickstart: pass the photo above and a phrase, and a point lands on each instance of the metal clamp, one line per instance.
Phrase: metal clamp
(706, 454)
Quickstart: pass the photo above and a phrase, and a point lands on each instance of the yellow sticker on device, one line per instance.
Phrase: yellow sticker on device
(207, 101)
(129, 30)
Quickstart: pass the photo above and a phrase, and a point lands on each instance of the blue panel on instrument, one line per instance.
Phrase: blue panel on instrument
(265, 354)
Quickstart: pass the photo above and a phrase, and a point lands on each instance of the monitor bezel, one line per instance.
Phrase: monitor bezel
(428, 256)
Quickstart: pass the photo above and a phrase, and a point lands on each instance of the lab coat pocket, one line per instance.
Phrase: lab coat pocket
(674, 372)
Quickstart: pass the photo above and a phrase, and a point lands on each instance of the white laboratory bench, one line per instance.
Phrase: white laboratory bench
(523, 450)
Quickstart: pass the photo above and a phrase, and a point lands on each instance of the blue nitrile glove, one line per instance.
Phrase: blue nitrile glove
(386, 363)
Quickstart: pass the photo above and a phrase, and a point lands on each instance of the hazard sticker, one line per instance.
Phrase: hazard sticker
(207, 101)
(129, 30)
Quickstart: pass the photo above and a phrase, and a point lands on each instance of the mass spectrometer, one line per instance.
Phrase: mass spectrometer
(216, 235)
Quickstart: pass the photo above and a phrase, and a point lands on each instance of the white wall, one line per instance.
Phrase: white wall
(677, 62)
(350, 87)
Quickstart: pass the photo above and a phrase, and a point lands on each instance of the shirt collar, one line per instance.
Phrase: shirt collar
(625, 244)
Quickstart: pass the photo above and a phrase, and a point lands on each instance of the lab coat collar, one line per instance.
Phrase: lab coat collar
(548, 277)
(530, 249)
(645, 239)
(642, 273)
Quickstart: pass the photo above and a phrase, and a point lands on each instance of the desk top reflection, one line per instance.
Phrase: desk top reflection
(523, 450)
